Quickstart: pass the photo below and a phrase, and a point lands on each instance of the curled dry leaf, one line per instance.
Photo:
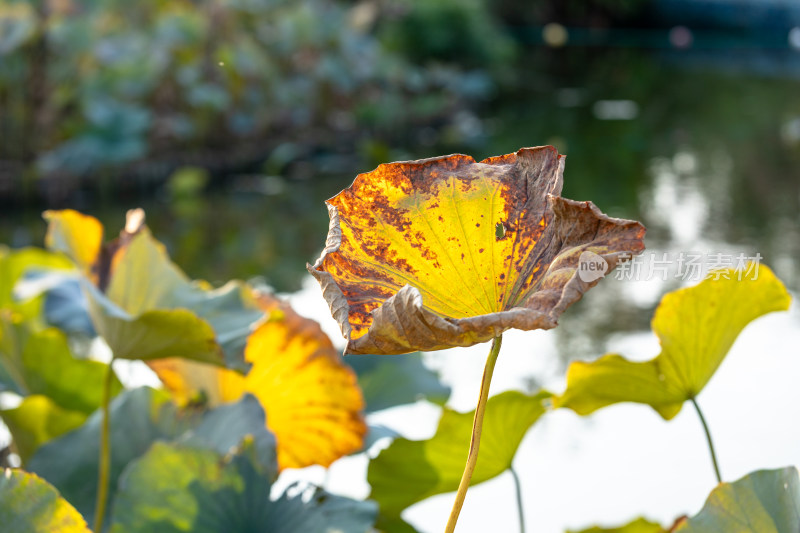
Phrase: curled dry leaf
(311, 398)
(443, 252)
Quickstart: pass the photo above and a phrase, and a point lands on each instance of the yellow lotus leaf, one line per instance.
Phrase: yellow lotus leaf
(696, 327)
(311, 398)
(81, 235)
(443, 252)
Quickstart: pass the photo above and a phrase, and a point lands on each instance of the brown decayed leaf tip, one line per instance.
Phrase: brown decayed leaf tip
(443, 252)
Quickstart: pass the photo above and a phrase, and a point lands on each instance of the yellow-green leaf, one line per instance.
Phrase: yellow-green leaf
(40, 362)
(442, 252)
(31, 505)
(767, 501)
(409, 471)
(156, 334)
(696, 326)
(640, 525)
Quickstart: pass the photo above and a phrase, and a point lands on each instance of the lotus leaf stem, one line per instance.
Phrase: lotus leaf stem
(477, 428)
(105, 454)
(708, 438)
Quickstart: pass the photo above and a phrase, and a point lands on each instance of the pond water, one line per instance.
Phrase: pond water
(703, 150)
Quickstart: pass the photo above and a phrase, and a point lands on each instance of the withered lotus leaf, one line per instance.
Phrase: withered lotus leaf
(444, 252)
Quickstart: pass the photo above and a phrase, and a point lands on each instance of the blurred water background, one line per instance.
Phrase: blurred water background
(231, 122)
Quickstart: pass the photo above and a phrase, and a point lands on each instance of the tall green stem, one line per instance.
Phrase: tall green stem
(105, 454)
(520, 508)
(708, 438)
(477, 428)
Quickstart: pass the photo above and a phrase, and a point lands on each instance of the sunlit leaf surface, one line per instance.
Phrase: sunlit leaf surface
(767, 501)
(312, 401)
(696, 326)
(175, 489)
(442, 252)
(59, 391)
(29, 504)
(143, 305)
(37, 420)
(410, 471)
(79, 236)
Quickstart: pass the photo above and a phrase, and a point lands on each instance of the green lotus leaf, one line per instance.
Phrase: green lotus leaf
(175, 488)
(766, 501)
(139, 417)
(393, 524)
(40, 362)
(409, 471)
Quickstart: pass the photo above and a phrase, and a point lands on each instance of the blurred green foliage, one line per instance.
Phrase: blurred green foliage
(85, 85)
(457, 31)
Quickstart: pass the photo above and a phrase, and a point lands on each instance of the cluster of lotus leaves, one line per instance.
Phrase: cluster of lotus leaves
(215, 344)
